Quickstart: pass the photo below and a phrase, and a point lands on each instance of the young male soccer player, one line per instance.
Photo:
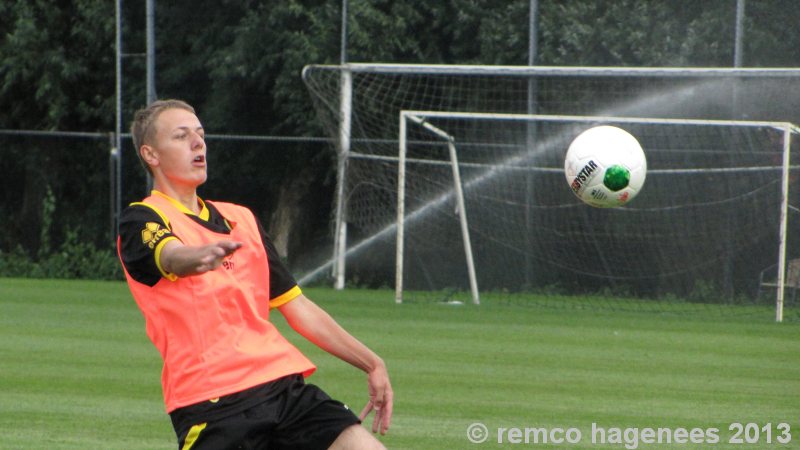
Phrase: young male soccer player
(206, 277)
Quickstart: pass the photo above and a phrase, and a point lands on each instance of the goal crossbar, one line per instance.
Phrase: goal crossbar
(445, 69)
(592, 119)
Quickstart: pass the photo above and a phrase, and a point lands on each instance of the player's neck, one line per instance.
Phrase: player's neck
(186, 197)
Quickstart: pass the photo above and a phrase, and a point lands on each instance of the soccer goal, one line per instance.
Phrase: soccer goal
(706, 227)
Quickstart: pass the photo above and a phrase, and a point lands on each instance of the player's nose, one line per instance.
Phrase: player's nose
(198, 142)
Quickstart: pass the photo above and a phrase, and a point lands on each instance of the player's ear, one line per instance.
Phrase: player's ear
(149, 155)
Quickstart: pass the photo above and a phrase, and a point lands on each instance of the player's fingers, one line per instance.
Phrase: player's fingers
(376, 421)
(383, 420)
(386, 417)
(365, 412)
(211, 258)
(378, 400)
(207, 263)
(228, 247)
(377, 405)
(383, 410)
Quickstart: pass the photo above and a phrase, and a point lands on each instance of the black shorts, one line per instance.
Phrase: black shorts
(282, 414)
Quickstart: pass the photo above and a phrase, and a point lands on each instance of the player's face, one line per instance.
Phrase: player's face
(180, 147)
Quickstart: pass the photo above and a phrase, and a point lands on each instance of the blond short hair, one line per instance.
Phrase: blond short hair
(143, 128)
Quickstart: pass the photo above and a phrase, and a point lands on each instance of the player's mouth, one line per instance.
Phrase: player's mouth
(199, 160)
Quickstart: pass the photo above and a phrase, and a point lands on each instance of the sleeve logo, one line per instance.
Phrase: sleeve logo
(152, 233)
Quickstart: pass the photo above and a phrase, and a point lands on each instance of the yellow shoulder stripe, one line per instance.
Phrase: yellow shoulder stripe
(159, 247)
(285, 298)
(156, 210)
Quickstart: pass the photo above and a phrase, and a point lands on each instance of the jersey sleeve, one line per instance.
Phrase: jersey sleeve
(282, 286)
(142, 235)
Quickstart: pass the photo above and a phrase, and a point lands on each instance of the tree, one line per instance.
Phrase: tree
(239, 63)
(54, 76)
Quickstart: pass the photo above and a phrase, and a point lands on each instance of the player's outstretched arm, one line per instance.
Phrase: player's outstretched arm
(184, 260)
(316, 325)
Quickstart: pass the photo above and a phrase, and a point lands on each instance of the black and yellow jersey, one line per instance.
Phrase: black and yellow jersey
(141, 229)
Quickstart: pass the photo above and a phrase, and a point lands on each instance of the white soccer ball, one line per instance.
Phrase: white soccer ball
(605, 166)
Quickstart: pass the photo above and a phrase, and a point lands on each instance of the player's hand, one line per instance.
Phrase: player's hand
(380, 400)
(189, 260)
(212, 255)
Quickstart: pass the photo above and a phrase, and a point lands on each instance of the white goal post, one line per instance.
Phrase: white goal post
(460, 205)
(502, 167)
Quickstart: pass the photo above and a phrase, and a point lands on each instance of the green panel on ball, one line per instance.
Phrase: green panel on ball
(616, 178)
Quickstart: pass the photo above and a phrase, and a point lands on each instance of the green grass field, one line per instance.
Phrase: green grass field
(78, 372)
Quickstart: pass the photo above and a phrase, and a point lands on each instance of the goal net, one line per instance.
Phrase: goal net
(706, 225)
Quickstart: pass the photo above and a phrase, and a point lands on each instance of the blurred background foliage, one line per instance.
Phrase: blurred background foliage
(238, 62)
